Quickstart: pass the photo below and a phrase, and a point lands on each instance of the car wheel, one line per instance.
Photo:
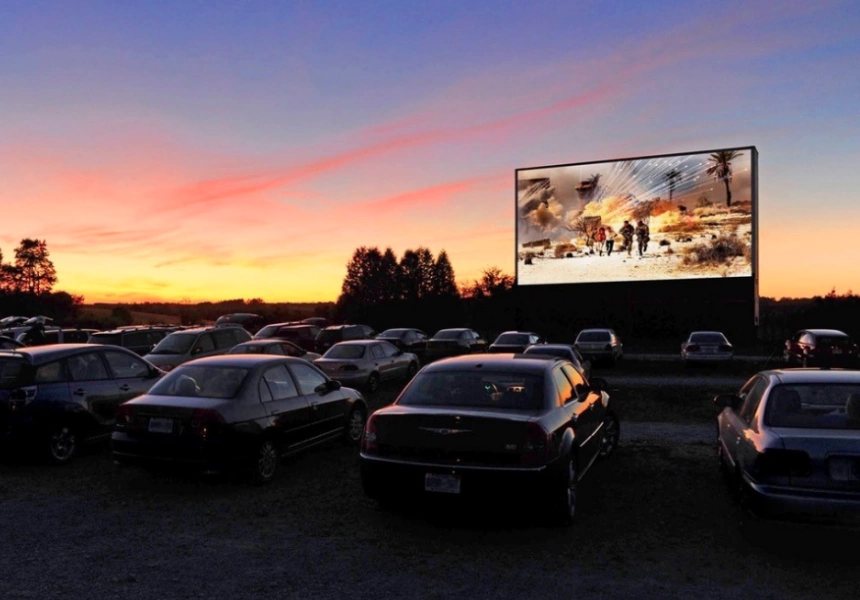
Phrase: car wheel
(355, 425)
(265, 463)
(373, 382)
(411, 370)
(566, 493)
(61, 444)
(611, 434)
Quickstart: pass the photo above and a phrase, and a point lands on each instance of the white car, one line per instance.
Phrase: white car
(707, 346)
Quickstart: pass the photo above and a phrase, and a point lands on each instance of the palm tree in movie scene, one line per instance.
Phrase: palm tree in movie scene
(721, 168)
(672, 177)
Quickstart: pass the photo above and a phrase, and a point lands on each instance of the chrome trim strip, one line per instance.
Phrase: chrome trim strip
(450, 466)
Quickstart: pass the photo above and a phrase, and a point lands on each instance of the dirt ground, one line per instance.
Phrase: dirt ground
(655, 521)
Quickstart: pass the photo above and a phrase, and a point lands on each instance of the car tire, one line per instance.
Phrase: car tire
(411, 370)
(265, 463)
(564, 496)
(611, 434)
(61, 443)
(373, 383)
(355, 422)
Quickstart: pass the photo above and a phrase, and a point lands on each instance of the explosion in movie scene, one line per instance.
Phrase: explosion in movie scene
(671, 217)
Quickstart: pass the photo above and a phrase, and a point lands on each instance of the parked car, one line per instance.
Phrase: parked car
(789, 442)
(599, 344)
(706, 346)
(566, 351)
(320, 322)
(303, 335)
(187, 344)
(408, 340)
(821, 347)
(140, 340)
(55, 335)
(59, 397)
(367, 363)
(453, 342)
(273, 346)
(240, 410)
(515, 341)
(490, 425)
(251, 322)
(333, 334)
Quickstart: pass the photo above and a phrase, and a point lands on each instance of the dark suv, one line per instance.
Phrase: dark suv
(330, 336)
(58, 397)
(139, 340)
(301, 334)
(820, 348)
(188, 344)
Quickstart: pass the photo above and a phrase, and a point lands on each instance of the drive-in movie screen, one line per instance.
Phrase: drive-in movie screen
(681, 216)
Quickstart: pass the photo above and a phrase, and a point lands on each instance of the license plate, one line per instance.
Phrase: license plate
(844, 469)
(707, 350)
(158, 425)
(445, 484)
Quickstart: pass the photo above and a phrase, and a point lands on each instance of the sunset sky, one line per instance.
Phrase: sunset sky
(184, 150)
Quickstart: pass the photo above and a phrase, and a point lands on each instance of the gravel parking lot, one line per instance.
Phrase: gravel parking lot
(655, 522)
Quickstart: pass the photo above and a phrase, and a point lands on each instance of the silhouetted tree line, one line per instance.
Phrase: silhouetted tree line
(26, 285)
(780, 319)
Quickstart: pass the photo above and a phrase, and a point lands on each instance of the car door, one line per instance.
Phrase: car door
(93, 387)
(288, 410)
(328, 407)
(392, 364)
(132, 375)
(590, 413)
(737, 431)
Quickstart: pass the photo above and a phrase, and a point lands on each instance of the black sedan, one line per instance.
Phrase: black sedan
(566, 351)
(407, 339)
(453, 342)
(515, 341)
(789, 443)
(246, 410)
(490, 425)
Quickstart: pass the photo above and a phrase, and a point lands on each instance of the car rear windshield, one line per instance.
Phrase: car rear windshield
(267, 331)
(832, 340)
(708, 338)
(814, 406)
(346, 351)
(330, 335)
(593, 336)
(13, 372)
(175, 343)
(205, 381)
(490, 390)
(560, 352)
(392, 333)
(512, 338)
(106, 338)
(448, 334)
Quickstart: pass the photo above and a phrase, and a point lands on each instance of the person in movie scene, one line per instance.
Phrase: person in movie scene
(610, 240)
(600, 238)
(627, 234)
(642, 237)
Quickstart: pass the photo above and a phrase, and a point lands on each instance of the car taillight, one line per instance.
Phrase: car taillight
(349, 368)
(369, 444)
(783, 463)
(537, 449)
(205, 422)
(693, 348)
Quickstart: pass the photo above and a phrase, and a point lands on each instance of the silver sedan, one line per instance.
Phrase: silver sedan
(367, 363)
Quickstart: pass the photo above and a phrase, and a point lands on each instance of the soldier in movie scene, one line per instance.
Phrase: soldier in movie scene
(627, 234)
(642, 237)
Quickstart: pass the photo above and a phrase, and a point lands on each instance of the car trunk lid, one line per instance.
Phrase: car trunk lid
(834, 457)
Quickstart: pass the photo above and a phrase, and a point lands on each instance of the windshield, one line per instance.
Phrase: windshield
(175, 343)
(330, 335)
(12, 372)
(392, 333)
(267, 331)
(560, 352)
(106, 338)
(206, 381)
(593, 336)
(448, 334)
(346, 351)
(249, 349)
(814, 406)
(708, 338)
(491, 390)
(512, 338)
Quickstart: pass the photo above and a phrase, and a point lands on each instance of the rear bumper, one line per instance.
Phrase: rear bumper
(798, 504)
(390, 477)
(129, 450)
(699, 357)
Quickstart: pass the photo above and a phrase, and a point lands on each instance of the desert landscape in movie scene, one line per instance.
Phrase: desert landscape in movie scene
(673, 217)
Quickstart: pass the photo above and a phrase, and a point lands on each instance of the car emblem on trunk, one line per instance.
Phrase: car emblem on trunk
(443, 430)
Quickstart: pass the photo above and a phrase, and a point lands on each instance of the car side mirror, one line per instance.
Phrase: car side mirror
(329, 386)
(598, 384)
(398, 353)
(197, 350)
(728, 401)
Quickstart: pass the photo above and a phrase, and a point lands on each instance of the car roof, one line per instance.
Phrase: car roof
(455, 329)
(606, 329)
(513, 363)
(241, 360)
(794, 376)
(708, 332)
(539, 347)
(360, 342)
(265, 342)
(826, 332)
(518, 332)
(48, 352)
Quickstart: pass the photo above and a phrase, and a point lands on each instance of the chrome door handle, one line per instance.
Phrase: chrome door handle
(124, 387)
